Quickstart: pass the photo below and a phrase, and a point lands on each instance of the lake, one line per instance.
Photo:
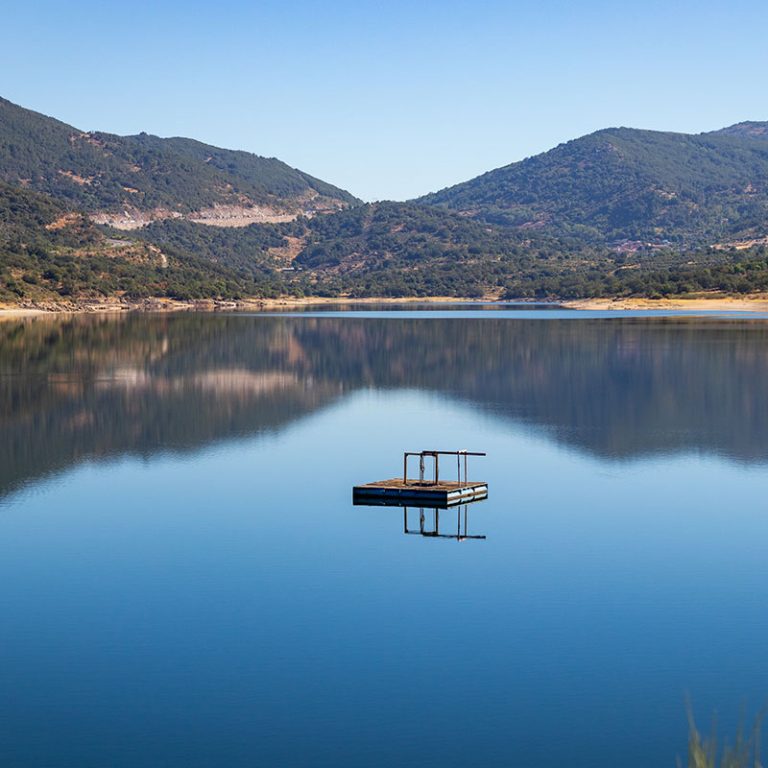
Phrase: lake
(184, 580)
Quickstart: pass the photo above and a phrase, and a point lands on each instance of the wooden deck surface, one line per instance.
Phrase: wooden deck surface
(444, 486)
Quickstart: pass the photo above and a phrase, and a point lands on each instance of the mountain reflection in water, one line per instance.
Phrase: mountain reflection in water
(91, 387)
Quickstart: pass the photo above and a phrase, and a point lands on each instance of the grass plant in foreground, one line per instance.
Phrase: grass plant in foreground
(744, 753)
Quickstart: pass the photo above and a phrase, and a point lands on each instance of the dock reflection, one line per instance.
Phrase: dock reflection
(429, 525)
(436, 521)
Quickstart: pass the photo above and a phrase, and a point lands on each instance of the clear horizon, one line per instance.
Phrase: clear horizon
(386, 100)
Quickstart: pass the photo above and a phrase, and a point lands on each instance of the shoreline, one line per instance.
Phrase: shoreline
(85, 307)
(753, 303)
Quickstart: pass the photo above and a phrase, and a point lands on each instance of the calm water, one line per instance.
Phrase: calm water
(184, 581)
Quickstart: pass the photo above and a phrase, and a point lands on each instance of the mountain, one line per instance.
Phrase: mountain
(51, 254)
(620, 212)
(748, 129)
(128, 181)
(384, 249)
(401, 249)
(622, 184)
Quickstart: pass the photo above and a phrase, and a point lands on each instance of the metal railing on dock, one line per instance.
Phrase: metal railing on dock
(436, 456)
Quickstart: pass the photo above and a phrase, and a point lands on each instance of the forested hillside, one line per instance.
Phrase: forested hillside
(97, 171)
(618, 213)
(48, 253)
(396, 249)
(622, 184)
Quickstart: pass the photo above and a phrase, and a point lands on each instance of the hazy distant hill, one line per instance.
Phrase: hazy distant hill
(625, 184)
(149, 177)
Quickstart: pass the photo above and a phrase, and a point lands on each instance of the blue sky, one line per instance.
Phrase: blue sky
(388, 99)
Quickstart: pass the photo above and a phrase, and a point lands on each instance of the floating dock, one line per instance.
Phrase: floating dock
(398, 493)
(405, 491)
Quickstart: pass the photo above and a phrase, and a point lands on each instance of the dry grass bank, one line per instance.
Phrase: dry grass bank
(715, 303)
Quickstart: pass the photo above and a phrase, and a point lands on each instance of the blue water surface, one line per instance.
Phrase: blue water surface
(184, 580)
